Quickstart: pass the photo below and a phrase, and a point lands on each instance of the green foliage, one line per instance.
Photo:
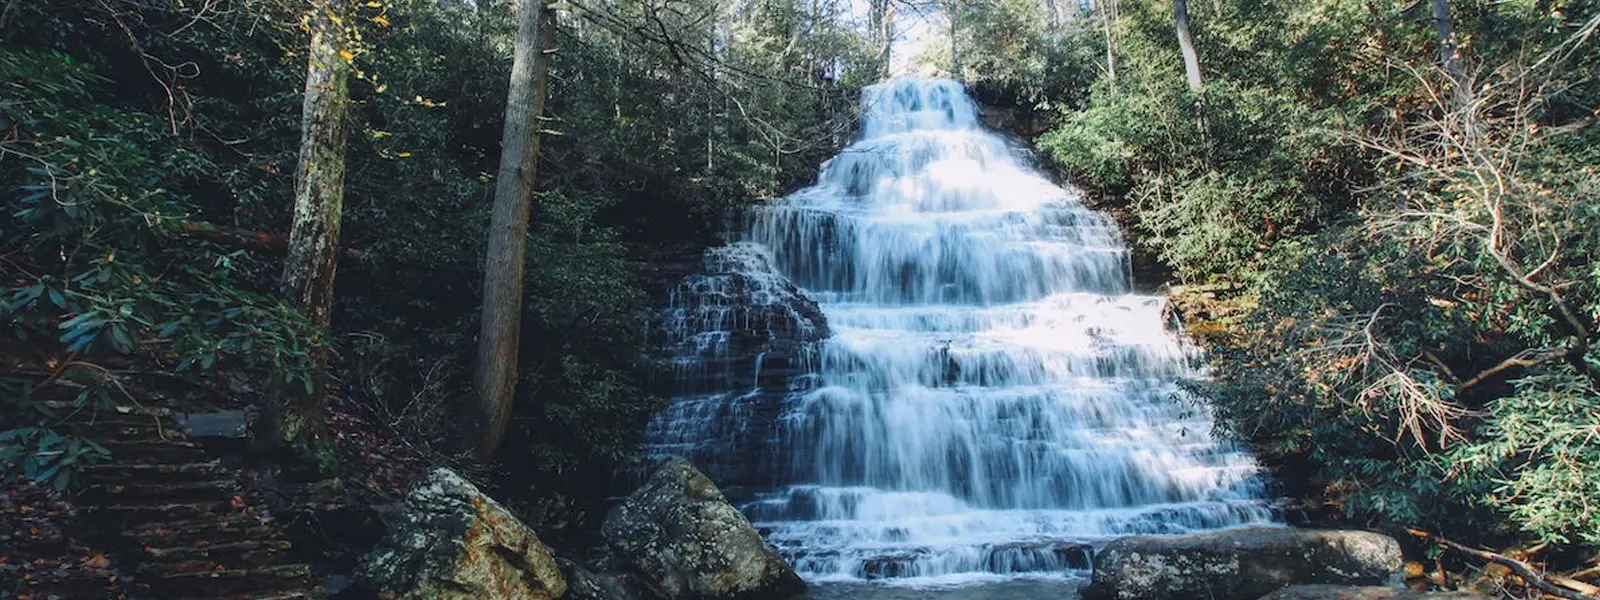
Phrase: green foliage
(1421, 340)
(1214, 178)
(1538, 449)
(649, 151)
(97, 196)
(586, 413)
(42, 453)
(1015, 48)
(150, 169)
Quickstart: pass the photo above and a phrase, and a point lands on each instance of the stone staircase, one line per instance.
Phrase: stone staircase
(176, 518)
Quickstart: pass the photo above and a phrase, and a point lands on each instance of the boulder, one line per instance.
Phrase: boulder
(455, 543)
(1240, 564)
(1351, 592)
(682, 540)
(583, 584)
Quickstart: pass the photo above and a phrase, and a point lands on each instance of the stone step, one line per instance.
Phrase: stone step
(118, 472)
(246, 553)
(80, 583)
(177, 451)
(256, 583)
(125, 516)
(71, 407)
(203, 531)
(16, 543)
(126, 432)
(161, 493)
(113, 419)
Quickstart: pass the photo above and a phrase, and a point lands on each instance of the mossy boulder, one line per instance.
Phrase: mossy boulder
(1241, 564)
(682, 540)
(583, 584)
(455, 543)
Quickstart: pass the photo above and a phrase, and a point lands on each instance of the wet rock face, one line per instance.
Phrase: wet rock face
(1242, 564)
(739, 337)
(720, 321)
(455, 543)
(1011, 557)
(682, 540)
(1348, 592)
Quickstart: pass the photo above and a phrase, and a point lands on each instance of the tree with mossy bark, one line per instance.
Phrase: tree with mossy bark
(300, 420)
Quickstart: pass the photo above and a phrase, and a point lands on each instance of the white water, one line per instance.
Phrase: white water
(992, 392)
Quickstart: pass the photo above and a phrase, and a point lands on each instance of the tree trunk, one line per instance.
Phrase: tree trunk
(1447, 47)
(1191, 60)
(313, 247)
(886, 45)
(496, 373)
(1107, 14)
(319, 179)
(881, 23)
(955, 56)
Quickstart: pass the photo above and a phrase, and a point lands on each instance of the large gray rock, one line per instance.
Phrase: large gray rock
(455, 543)
(1351, 592)
(1241, 564)
(682, 540)
(583, 584)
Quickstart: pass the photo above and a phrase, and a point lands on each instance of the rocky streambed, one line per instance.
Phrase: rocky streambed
(678, 538)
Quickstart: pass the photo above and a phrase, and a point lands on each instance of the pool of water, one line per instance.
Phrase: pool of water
(1013, 589)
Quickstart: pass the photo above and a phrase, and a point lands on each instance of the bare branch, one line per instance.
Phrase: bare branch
(1543, 582)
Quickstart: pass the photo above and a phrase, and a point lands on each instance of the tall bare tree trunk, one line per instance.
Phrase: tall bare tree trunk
(1447, 47)
(499, 334)
(881, 23)
(313, 253)
(1191, 59)
(1107, 15)
(886, 45)
(955, 55)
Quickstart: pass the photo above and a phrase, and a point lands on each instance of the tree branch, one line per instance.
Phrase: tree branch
(1554, 585)
(1526, 358)
(244, 239)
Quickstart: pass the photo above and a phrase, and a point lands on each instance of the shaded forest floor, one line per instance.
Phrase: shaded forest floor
(183, 508)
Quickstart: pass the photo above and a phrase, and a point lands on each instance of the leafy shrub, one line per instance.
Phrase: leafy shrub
(98, 267)
(1417, 344)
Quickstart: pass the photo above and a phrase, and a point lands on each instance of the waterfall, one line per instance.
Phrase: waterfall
(971, 388)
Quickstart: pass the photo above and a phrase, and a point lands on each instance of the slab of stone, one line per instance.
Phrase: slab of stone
(228, 424)
(1240, 564)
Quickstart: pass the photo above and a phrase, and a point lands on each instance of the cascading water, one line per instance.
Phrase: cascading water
(989, 395)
